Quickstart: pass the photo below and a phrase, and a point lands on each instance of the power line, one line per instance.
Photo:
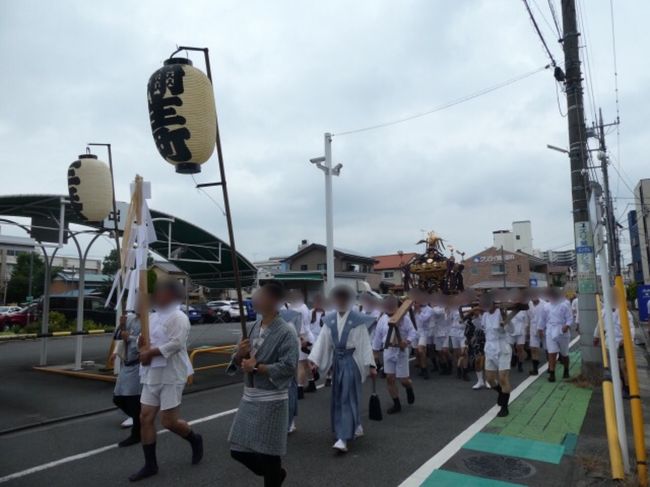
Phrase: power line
(444, 106)
(208, 195)
(618, 109)
(555, 20)
(539, 33)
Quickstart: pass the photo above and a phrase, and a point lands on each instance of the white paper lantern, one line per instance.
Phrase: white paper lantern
(182, 114)
(89, 186)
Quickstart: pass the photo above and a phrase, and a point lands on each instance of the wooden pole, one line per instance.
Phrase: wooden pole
(143, 291)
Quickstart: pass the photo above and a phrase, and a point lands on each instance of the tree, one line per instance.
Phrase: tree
(18, 288)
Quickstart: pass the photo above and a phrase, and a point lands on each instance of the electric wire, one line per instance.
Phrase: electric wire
(551, 6)
(444, 106)
(539, 33)
(616, 94)
(201, 190)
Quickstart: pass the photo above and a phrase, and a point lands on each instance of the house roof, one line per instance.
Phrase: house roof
(392, 261)
(338, 252)
(168, 267)
(89, 277)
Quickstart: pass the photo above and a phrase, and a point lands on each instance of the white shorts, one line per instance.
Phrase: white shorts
(424, 339)
(164, 396)
(396, 362)
(558, 344)
(303, 356)
(458, 342)
(517, 339)
(441, 342)
(498, 361)
(534, 340)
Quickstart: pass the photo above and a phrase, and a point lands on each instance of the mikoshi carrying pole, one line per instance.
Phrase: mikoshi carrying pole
(175, 133)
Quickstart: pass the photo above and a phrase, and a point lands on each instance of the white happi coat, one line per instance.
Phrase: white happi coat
(423, 319)
(496, 336)
(439, 323)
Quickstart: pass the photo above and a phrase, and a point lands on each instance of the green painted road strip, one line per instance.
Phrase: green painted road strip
(516, 447)
(445, 478)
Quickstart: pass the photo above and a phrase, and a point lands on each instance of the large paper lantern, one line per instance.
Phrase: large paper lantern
(90, 188)
(182, 114)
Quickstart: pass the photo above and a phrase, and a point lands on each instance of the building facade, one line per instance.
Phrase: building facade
(642, 198)
(636, 271)
(389, 270)
(518, 239)
(496, 268)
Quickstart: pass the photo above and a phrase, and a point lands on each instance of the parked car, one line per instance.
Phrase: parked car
(208, 315)
(192, 313)
(4, 310)
(251, 315)
(22, 317)
(226, 310)
(94, 309)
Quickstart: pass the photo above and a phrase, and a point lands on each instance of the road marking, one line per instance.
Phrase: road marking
(443, 456)
(97, 451)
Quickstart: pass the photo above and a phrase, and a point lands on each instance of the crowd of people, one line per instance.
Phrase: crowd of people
(346, 339)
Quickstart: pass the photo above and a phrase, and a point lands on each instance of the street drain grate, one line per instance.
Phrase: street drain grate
(498, 466)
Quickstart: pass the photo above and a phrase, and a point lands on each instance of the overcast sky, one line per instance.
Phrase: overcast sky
(285, 72)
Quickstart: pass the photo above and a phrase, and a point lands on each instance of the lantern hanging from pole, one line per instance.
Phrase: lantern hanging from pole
(183, 115)
(90, 188)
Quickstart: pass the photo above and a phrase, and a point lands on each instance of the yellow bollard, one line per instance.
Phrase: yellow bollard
(635, 398)
(615, 455)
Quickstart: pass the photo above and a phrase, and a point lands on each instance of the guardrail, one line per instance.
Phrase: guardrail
(53, 334)
(220, 350)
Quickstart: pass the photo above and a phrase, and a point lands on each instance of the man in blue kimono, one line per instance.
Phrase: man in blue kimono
(344, 345)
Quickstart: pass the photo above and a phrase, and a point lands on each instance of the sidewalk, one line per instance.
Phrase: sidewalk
(554, 435)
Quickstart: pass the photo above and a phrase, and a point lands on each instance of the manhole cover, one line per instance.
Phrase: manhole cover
(497, 466)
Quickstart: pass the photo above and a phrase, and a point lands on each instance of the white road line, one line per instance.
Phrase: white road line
(97, 451)
(418, 477)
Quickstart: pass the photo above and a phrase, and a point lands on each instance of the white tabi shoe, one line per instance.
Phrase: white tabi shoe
(292, 427)
(341, 446)
(359, 432)
(479, 385)
(127, 423)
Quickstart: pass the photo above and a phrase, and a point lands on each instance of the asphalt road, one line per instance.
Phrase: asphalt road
(389, 452)
(29, 397)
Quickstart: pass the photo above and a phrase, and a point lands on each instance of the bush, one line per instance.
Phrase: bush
(31, 328)
(91, 325)
(58, 322)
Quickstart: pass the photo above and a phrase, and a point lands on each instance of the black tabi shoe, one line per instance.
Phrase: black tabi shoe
(196, 441)
(301, 392)
(459, 372)
(520, 367)
(410, 395)
(566, 374)
(150, 464)
(395, 408)
(328, 382)
(466, 375)
(311, 386)
(316, 375)
(131, 440)
(425, 374)
(535, 370)
(434, 366)
(551, 376)
(503, 402)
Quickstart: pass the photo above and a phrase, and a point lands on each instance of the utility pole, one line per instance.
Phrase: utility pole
(583, 234)
(613, 250)
(329, 171)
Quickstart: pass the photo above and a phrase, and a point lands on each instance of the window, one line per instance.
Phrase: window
(474, 270)
(303, 267)
(388, 274)
(321, 267)
(518, 237)
(518, 267)
(498, 269)
(353, 267)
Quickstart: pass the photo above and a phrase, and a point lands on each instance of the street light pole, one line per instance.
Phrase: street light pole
(329, 171)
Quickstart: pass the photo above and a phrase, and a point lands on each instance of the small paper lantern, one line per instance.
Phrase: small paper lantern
(182, 114)
(90, 188)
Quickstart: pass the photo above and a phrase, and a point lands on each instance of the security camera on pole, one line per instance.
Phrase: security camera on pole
(329, 219)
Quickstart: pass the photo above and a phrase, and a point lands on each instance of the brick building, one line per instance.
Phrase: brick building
(494, 268)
